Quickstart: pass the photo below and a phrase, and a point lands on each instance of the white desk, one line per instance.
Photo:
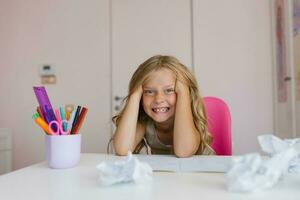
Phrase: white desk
(42, 183)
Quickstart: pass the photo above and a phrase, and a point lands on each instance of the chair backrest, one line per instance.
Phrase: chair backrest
(219, 125)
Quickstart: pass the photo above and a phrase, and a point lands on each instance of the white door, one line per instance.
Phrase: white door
(296, 59)
(283, 72)
(141, 29)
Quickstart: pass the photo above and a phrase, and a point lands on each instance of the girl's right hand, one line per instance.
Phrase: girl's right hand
(138, 92)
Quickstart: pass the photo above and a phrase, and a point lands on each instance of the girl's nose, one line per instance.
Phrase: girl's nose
(159, 98)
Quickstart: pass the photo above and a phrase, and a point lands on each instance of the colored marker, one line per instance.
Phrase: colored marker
(39, 121)
(70, 123)
(62, 116)
(67, 115)
(80, 120)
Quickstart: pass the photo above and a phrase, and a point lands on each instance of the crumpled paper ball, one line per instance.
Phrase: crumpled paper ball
(251, 172)
(125, 170)
(274, 145)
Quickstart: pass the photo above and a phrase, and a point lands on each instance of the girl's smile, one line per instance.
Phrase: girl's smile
(161, 109)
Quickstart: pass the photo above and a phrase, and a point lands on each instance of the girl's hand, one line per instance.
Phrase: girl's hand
(181, 88)
(138, 92)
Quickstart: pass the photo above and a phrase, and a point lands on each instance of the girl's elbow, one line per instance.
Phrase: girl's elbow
(182, 154)
(121, 151)
(185, 152)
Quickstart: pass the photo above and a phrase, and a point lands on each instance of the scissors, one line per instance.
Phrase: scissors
(60, 125)
(58, 129)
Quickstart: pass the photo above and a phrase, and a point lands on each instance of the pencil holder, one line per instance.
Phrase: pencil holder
(63, 151)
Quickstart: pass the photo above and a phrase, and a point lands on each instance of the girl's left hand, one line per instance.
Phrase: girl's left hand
(181, 87)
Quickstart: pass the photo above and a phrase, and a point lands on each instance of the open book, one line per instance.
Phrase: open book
(192, 164)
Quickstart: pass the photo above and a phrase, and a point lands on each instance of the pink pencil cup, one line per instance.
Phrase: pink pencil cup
(63, 151)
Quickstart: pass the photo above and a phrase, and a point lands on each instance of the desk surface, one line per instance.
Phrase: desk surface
(40, 182)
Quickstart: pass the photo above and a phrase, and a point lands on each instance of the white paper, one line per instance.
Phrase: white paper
(124, 170)
(191, 164)
(274, 145)
(252, 173)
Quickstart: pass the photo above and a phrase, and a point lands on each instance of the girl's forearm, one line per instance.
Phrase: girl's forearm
(186, 138)
(124, 137)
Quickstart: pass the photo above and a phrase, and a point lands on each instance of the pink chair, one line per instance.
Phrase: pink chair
(219, 125)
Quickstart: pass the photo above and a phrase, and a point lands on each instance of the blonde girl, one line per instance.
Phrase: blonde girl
(163, 111)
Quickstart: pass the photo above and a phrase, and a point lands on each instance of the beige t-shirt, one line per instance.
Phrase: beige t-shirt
(157, 147)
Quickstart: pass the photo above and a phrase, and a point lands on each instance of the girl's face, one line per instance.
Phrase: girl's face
(159, 97)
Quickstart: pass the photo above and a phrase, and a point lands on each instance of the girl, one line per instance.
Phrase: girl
(163, 111)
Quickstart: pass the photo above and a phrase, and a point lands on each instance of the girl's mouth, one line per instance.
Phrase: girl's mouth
(161, 110)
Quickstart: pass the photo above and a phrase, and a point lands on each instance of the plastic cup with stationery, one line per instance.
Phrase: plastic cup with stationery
(62, 139)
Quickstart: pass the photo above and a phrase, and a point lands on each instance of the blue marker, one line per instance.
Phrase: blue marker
(62, 116)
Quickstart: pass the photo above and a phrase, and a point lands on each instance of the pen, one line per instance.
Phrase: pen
(80, 120)
(75, 118)
(39, 121)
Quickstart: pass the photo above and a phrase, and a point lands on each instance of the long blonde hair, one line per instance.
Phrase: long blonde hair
(184, 75)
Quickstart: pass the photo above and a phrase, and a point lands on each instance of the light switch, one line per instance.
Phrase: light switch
(47, 70)
(47, 74)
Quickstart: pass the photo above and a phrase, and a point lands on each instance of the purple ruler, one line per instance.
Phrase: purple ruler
(44, 102)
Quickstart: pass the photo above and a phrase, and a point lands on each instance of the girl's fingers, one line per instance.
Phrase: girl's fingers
(138, 91)
(180, 86)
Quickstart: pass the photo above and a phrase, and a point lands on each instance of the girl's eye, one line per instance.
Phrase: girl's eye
(170, 90)
(149, 92)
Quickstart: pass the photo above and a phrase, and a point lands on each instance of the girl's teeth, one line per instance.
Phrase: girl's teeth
(160, 109)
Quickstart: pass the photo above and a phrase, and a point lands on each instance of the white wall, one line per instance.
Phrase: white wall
(74, 36)
(140, 39)
(7, 71)
(232, 58)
